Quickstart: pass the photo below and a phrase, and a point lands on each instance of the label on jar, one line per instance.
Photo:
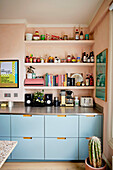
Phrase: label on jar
(77, 36)
(81, 37)
(87, 82)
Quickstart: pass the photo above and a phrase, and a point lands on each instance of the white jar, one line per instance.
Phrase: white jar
(29, 75)
(29, 36)
(76, 101)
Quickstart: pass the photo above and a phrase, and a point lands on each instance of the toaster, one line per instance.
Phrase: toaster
(86, 101)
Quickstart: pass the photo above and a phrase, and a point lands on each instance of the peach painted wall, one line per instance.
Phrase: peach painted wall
(12, 47)
(101, 36)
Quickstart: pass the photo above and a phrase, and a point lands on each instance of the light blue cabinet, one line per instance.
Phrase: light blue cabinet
(5, 125)
(22, 126)
(29, 148)
(83, 148)
(61, 126)
(90, 126)
(61, 149)
(6, 138)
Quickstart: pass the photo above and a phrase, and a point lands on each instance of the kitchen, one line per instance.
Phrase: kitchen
(59, 96)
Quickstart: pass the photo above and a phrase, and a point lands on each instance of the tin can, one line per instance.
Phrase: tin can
(78, 59)
(86, 36)
(42, 37)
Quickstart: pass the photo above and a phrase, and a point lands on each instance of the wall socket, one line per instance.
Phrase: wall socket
(7, 94)
(15, 94)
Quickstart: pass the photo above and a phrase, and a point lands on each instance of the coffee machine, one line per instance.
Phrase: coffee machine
(69, 98)
(63, 96)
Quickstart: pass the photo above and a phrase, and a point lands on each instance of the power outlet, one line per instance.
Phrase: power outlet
(7, 94)
(15, 94)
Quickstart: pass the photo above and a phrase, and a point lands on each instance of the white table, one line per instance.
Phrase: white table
(6, 147)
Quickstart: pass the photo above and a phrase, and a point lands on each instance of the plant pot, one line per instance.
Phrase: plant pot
(89, 167)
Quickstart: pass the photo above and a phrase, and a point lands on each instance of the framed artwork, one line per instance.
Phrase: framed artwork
(9, 73)
(101, 75)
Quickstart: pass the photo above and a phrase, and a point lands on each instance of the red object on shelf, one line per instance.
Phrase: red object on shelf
(34, 82)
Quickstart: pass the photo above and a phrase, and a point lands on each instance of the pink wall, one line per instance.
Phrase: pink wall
(101, 36)
(12, 47)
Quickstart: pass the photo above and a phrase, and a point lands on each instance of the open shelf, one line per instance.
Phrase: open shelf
(59, 64)
(79, 42)
(60, 87)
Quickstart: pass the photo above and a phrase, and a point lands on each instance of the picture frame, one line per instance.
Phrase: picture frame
(101, 75)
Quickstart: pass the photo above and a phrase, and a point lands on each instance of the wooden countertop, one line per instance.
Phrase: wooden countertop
(19, 108)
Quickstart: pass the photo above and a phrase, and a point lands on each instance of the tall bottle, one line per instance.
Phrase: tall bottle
(81, 35)
(84, 57)
(91, 80)
(77, 34)
(87, 80)
(92, 57)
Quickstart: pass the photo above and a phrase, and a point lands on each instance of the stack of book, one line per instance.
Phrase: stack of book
(55, 80)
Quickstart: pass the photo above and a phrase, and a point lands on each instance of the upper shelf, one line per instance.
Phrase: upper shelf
(59, 64)
(78, 42)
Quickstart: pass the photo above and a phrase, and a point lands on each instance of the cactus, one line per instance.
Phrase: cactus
(95, 157)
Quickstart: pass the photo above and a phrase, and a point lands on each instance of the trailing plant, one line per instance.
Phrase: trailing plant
(95, 156)
(30, 69)
(39, 96)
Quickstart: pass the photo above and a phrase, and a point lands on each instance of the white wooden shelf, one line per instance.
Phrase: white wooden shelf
(59, 64)
(79, 42)
(59, 87)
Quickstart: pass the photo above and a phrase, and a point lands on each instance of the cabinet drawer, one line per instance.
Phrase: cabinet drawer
(61, 126)
(61, 149)
(6, 138)
(28, 148)
(90, 126)
(27, 126)
(83, 148)
(4, 125)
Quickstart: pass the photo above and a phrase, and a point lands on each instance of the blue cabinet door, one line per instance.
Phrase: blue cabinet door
(29, 148)
(90, 126)
(61, 126)
(61, 149)
(6, 138)
(27, 126)
(5, 125)
(83, 148)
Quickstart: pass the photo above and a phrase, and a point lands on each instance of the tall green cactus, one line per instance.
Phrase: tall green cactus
(95, 157)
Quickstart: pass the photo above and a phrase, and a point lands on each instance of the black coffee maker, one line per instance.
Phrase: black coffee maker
(69, 98)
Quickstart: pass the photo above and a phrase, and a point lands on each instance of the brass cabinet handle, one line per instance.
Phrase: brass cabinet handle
(27, 137)
(88, 138)
(90, 115)
(27, 115)
(61, 138)
(61, 115)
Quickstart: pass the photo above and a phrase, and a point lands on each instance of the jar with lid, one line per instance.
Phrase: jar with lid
(27, 59)
(31, 58)
(76, 101)
(77, 35)
(34, 59)
(68, 59)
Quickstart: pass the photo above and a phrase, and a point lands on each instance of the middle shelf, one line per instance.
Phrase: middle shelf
(60, 87)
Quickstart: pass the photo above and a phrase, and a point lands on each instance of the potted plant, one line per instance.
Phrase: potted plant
(38, 98)
(95, 161)
(30, 71)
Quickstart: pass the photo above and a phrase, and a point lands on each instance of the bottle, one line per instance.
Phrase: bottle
(87, 80)
(88, 59)
(91, 80)
(77, 35)
(81, 35)
(84, 57)
(92, 57)
(76, 101)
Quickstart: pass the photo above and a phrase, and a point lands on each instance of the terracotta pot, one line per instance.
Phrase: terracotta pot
(89, 167)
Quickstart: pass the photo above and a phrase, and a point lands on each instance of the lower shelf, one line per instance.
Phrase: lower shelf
(60, 87)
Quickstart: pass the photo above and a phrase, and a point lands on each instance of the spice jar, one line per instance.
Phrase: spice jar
(38, 60)
(65, 37)
(47, 37)
(68, 58)
(42, 37)
(27, 59)
(73, 59)
(34, 59)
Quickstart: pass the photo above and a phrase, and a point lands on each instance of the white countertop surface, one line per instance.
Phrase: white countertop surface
(6, 147)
